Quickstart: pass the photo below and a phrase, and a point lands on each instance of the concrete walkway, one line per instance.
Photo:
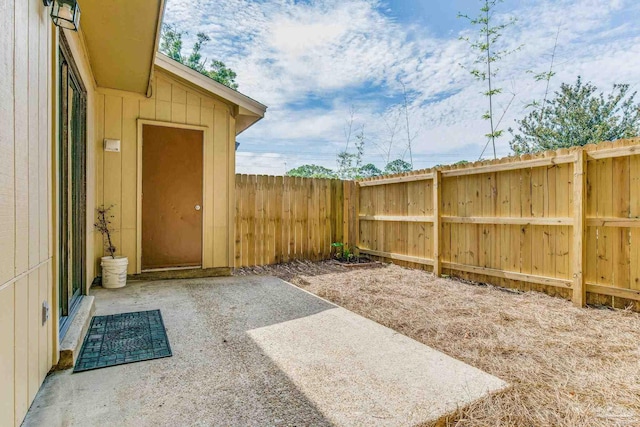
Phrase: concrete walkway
(259, 351)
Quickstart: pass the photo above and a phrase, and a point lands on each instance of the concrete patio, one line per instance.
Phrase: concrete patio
(259, 351)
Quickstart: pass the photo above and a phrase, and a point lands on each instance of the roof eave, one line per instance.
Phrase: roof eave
(167, 64)
(163, 6)
(245, 122)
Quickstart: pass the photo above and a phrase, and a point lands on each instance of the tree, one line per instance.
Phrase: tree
(171, 45)
(488, 53)
(386, 145)
(397, 166)
(578, 116)
(410, 138)
(369, 171)
(349, 163)
(546, 77)
(171, 42)
(312, 171)
(220, 73)
(195, 58)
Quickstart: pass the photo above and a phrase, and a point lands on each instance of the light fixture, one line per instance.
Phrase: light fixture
(66, 14)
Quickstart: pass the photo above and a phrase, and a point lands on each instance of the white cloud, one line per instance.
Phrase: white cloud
(310, 61)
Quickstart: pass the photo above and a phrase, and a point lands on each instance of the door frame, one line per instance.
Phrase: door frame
(76, 235)
(205, 132)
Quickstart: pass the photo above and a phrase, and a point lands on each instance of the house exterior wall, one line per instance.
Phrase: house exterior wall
(28, 185)
(28, 194)
(172, 102)
(26, 251)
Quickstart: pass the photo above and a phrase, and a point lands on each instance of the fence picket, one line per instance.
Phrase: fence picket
(281, 219)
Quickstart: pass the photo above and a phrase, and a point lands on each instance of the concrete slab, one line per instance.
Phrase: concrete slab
(258, 351)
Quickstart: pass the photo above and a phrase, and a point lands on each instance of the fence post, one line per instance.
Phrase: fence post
(346, 212)
(579, 227)
(356, 214)
(437, 196)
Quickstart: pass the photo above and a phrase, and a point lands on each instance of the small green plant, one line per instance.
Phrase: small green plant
(103, 225)
(342, 251)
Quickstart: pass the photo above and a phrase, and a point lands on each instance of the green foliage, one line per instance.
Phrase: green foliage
(171, 45)
(220, 73)
(369, 171)
(342, 251)
(312, 171)
(350, 164)
(578, 116)
(315, 171)
(488, 51)
(397, 166)
(194, 60)
(171, 42)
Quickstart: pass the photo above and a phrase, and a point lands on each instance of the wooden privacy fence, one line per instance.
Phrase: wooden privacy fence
(564, 222)
(281, 219)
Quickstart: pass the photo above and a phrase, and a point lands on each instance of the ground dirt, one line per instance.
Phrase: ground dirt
(567, 366)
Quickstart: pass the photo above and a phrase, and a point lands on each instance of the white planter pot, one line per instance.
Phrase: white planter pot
(114, 271)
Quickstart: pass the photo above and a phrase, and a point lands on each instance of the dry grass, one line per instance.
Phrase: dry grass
(567, 366)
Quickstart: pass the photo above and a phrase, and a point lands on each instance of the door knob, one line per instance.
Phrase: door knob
(198, 207)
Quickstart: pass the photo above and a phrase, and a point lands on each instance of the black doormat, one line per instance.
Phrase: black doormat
(123, 338)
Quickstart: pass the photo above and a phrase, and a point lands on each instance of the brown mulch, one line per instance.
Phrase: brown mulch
(293, 270)
(567, 366)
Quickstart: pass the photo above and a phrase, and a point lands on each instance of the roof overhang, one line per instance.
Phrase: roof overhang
(248, 110)
(122, 37)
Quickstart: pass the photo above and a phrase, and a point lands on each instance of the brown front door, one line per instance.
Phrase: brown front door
(171, 197)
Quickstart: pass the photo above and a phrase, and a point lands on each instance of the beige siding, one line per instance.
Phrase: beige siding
(7, 149)
(26, 344)
(28, 190)
(116, 173)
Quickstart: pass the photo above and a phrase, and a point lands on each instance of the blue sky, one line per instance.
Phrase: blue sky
(320, 64)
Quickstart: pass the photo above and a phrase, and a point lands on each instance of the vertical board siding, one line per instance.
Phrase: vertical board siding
(7, 357)
(231, 190)
(7, 149)
(129, 170)
(99, 173)
(220, 194)
(21, 163)
(21, 348)
(44, 133)
(280, 219)
(26, 343)
(33, 133)
(33, 354)
(112, 161)
(530, 243)
(116, 173)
